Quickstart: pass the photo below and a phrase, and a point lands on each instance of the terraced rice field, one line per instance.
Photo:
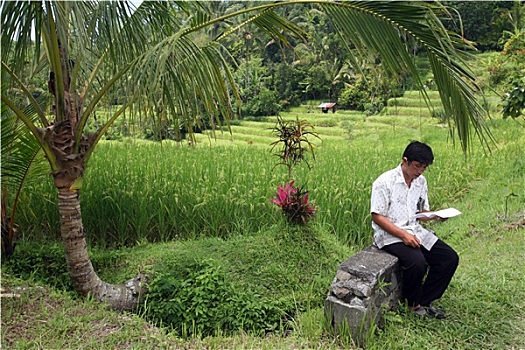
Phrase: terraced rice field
(409, 110)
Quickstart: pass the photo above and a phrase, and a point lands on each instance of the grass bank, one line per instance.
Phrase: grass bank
(485, 301)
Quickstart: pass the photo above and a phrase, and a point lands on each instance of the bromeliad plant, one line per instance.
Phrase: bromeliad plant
(293, 200)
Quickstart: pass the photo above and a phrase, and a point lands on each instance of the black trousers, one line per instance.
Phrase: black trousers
(438, 264)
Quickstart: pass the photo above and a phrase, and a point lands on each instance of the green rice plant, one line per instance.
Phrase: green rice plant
(484, 301)
(325, 122)
(137, 191)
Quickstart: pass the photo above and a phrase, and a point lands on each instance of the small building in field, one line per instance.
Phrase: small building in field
(325, 106)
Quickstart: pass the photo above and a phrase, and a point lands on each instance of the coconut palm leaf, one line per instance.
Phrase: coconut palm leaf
(19, 162)
(379, 26)
(18, 149)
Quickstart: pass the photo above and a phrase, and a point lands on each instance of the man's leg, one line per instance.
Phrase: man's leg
(413, 266)
(442, 261)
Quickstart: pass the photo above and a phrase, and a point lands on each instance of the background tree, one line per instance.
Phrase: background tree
(514, 52)
(479, 21)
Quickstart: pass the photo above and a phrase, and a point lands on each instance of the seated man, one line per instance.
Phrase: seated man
(397, 195)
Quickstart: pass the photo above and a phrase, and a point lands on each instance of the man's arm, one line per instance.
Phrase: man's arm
(387, 225)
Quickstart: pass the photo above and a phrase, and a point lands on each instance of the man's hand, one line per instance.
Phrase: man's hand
(411, 240)
(387, 225)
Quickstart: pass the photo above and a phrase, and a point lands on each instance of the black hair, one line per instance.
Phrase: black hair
(419, 152)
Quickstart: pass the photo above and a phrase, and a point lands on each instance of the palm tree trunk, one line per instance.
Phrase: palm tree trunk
(124, 296)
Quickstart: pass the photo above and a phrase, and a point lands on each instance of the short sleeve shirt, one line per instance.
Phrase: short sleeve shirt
(392, 198)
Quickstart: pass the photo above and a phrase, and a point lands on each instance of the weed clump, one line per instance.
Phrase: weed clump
(197, 300)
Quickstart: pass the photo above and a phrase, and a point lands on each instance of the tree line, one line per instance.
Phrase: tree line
(272, 77)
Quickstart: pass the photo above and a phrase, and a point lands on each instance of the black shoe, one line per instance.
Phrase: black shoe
(434, 312)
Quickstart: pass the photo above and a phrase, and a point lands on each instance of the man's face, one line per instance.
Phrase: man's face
(414, 169)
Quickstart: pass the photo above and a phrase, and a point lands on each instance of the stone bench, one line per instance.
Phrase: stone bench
(365, 286)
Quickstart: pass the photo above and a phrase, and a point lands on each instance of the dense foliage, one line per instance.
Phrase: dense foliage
(197, 300)
(323, 69)
(481, 21)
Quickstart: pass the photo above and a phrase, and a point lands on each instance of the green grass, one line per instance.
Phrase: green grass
(485, 301)
(41, 318)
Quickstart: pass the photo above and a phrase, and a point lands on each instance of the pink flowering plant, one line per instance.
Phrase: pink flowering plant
(294, 203)
(293, 139)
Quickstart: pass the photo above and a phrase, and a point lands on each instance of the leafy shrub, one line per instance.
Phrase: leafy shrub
(263, 104)
(369, 96)
(515, 47)
(353, 97)
(373, 107)
(514, 101)
(198, 300)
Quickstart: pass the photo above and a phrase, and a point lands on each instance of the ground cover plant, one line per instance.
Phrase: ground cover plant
(251, 252)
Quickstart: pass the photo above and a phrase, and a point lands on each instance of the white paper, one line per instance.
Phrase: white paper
(444, 213)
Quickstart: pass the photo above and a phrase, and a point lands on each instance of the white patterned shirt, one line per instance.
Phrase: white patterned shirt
(392, 198)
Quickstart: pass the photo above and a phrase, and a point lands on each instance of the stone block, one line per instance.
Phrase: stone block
(365, 285)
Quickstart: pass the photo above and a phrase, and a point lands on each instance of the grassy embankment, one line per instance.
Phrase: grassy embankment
(215, 197)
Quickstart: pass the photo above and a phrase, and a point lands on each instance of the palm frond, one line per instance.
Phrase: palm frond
(272, 24)
(379, 26)
(192, 79)
(20, 162)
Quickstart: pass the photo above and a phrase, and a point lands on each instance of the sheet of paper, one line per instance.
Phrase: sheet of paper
(444, 213)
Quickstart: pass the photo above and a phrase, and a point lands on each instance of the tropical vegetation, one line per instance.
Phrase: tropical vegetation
(211, 75)
(238, 251)
(156, 60)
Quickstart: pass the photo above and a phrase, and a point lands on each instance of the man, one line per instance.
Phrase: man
(397, 195)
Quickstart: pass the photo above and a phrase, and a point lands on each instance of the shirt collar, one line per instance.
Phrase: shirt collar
(399, 178)
(399, 175)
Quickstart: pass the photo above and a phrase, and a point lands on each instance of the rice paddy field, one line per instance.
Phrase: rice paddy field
(142, 191)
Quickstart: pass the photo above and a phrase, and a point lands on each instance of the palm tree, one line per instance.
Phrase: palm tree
(19, 150)
(155, 60)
